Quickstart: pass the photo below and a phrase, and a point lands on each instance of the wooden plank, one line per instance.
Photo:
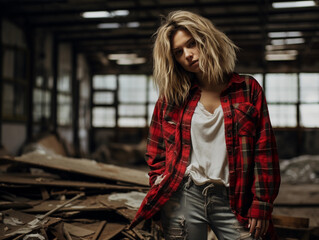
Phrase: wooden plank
(88, 204)
(298, 195)
(111, 230)
(84, 166)
(14, 179)
(293, 222)
(77, 231)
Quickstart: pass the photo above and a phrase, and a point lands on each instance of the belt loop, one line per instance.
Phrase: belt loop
(189, 182)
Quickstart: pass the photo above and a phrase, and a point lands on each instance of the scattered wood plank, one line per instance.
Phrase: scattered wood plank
(111, 230)
(77, 231)
(298, 195)
(84, 166)
(7, 178)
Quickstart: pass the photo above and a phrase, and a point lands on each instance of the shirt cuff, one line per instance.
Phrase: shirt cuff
(260, 210)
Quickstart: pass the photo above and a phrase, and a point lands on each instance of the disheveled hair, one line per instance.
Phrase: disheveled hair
(217, 55)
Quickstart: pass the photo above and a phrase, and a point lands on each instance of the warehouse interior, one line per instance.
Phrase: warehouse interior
(76, 82)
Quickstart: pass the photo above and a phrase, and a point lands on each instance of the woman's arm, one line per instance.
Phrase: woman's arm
(266, 179)
(155, 152)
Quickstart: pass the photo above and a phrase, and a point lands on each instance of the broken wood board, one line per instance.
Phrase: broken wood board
(51, 142)
(8, 178)
(17, 223)
(14, 205)
(89, 204)
(111, 230)
(126, 204)
(298, 195)
(77, 231)
(84, 166)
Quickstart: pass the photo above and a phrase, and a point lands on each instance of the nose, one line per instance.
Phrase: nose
(188, 54)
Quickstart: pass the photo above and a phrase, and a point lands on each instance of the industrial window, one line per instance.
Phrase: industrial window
(152, 98)
(14, 94)
(290, 94)
(64, 86)
(309, 99)
(42, 98)
(123, 100)
(282, 98)
(132, 98)
(104, 98)
(103, 117)
(64, 100)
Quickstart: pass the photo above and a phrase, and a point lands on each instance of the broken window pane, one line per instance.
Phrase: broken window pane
(309, 115)
(104, 82)
(283, 115)
(131, 122)
(132, 110)
(103, 117)
(132, 88)
(64, 110)
(309, 87)
(281, 88)
(103, 98)
(64, 83)
(152, 91)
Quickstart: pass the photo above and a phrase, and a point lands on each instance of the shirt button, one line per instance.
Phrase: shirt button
(225, 100)
(229, 115)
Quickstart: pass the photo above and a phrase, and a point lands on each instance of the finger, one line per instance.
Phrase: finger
(263, 227)
(252, 225)
(266, 226)
(258, 228)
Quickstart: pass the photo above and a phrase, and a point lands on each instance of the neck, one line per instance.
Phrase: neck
(211, 87)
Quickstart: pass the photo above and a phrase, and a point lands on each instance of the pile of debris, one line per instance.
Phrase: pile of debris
(49, 196)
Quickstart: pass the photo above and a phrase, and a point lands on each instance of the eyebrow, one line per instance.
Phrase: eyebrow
(185, 43)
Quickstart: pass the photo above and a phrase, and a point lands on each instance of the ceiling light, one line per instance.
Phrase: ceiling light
(96, 14)
(105, 14)
(293, 4)
(275, 47)
(284, 34)
(118, 56)
(120, 13)
(287, 41)
(287, 52)
(109, 25)
(280, 57)
(133, 61)
(133, 24)
(285, 55)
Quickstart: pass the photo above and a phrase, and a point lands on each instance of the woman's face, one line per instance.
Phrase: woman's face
(185, 51)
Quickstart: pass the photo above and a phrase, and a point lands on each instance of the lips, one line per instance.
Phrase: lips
(192, 63)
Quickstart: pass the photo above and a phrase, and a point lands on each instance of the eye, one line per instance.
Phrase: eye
(178, 53)
(192, 43)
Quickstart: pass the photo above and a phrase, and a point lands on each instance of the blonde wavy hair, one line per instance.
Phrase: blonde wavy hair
(217, 55)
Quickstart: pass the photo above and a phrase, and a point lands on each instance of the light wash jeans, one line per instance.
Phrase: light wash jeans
(190, 209)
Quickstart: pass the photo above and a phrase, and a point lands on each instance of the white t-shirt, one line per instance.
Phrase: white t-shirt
(208, 161)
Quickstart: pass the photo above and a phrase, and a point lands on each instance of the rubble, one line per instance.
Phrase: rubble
(44, 195)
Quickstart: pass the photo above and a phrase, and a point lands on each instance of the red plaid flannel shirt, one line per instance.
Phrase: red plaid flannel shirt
(254, 175)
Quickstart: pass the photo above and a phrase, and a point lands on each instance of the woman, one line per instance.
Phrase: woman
(211, 149)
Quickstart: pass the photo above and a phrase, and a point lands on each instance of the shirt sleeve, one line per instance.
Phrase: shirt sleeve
(155, 151)
(266, 163)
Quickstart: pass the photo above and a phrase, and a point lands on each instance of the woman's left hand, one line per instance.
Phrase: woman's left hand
(258, 227)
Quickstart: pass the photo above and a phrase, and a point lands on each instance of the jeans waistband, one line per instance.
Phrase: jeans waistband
(211, 186)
